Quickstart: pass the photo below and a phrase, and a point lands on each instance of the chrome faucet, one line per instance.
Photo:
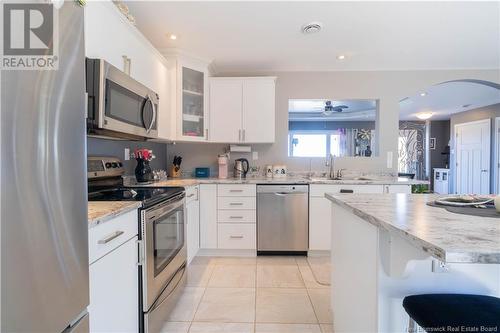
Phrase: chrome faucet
(332, 166)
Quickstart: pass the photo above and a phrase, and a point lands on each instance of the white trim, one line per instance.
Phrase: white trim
(496, 157)
(455, 143)
(226, 253)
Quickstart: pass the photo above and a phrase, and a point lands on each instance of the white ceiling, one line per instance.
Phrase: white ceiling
(449, 98)
(313, 110)
(266, 36)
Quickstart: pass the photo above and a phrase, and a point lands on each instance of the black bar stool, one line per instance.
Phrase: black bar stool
(453, 313)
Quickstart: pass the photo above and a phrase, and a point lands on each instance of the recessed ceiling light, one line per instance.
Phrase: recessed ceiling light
(173, 37)
(312, 28)
(423, 94)
(424, 115)
(341, 57)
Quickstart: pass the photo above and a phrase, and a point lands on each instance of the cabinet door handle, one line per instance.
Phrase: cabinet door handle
(235, 217)
(109, 238)
(239, 135)
(243, 135)
(236, 203)
(233, 191)
(236, 237)
(206, 133)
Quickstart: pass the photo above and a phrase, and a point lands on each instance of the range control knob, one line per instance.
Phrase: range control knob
(120, 164)
(114, 165)
(108, 165)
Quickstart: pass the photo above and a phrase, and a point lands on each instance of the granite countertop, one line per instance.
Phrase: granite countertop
(103, 211)
(264, 180)
(446, 236)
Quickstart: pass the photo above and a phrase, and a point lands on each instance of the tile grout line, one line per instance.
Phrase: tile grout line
(308, 296)
(201, 299)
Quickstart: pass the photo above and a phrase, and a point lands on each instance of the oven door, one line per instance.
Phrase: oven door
(125, 105)
(165, 246)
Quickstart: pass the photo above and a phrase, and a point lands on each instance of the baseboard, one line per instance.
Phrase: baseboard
(226, 253)
(318, 253)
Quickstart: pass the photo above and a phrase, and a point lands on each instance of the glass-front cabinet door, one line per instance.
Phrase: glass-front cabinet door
(194, 122)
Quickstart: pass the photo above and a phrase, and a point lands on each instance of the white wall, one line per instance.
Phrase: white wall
(387, 86)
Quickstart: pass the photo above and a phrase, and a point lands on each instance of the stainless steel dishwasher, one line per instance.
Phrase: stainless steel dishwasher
(282, 219)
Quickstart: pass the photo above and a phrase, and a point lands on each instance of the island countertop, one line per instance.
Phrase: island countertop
(446, 236)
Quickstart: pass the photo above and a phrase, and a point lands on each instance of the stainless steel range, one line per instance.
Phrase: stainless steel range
(162, 237)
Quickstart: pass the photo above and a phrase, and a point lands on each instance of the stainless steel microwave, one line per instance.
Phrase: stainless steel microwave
(118, 105)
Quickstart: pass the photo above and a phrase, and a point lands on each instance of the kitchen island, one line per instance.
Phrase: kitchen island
(385, 247)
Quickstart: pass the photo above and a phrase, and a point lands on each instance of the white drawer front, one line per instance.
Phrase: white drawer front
(320, 190)
(236, 216)
(236, 190)
(237, 236)
(111, 234)
(191, 193)
(238, 203)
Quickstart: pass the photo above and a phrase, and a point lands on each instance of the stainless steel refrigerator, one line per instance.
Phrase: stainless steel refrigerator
(44, 249)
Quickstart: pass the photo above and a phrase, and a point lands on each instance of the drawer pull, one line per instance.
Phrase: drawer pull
(238, 237)
(236, 203)
(346, 191)
(235, 217)
(235, 191)
(110, 237)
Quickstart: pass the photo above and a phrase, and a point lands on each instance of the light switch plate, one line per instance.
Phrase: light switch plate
(126, 157)
(255, 155)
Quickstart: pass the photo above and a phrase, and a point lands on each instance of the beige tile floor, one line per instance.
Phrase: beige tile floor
(254, 295)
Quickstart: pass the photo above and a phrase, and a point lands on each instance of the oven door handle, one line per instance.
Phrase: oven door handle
(154, 213)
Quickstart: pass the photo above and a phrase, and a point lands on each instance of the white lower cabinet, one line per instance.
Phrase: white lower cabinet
(319, 224)
(193, 222)
(237, 236)
(114, 290)
(320, 209)
(208, 216)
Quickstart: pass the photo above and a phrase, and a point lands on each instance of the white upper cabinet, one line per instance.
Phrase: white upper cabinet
(258, 110)
(110, 36)
(242, 110)
(225, 110)
(188, 98)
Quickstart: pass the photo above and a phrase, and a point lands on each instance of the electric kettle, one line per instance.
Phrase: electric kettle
(241, 168)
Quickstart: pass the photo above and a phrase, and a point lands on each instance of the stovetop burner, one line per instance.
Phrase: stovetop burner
(148, 195)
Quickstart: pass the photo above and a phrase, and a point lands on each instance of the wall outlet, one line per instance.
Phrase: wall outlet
(126, 157)
(255, 155)
(440, 267)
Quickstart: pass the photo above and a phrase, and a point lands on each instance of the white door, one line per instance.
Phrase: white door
(497, 160)
(258, 110)
(225, 110)
(472, 141)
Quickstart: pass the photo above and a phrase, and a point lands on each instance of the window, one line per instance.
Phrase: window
(335, 145)
(308, 145)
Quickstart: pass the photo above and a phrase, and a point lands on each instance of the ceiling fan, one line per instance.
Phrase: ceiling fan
(329, 108)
